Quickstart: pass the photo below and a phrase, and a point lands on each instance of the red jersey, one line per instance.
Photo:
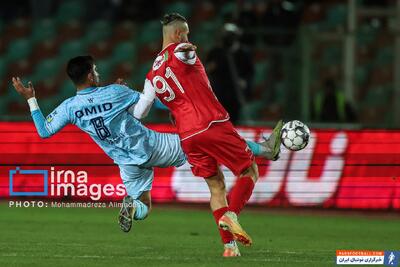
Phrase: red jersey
(181, 83)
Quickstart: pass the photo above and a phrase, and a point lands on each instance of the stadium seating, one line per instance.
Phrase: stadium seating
(100, 50)
(3, 67)
(20, 49)
(336, 16)
(97, 31)
(140, 73)
(46, 69)
(366, 34)
(39, 48)
(71, 49)
(124, 31)
(150, 32)
(104, 69)
(70, 10)
(43, 30)
(67, 89)
(124, 52)
(261, 70)
(69, 32)
(180, 7)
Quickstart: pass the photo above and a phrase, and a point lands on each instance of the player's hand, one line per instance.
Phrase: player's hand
(121, 82)
(26, 92)
(186, 48)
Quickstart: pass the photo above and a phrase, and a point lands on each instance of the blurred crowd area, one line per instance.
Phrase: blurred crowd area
(253, 52)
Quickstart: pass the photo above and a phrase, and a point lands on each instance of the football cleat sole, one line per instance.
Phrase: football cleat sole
(276, 149)
(125, 217)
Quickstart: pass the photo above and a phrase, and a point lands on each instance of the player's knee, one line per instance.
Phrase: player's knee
(252, 172)
(256, 174)
(222, 189)
(218, 188)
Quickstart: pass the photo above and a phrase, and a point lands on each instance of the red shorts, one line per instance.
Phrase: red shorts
(219, 144)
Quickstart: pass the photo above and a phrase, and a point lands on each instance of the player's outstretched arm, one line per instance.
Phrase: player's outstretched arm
(26, 92)
(185, 47)
(45, 128)
(186, 53)
(140, 109)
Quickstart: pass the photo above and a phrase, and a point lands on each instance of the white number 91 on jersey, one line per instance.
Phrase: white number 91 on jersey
(295, 135)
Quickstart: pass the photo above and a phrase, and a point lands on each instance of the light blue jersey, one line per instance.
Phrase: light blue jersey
(102, 112)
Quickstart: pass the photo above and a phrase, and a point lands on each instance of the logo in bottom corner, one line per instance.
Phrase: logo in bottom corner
(367, 257)
(392, 258)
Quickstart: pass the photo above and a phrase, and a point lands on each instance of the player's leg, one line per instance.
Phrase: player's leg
(219, 207)
(216, 185)
(238, 197)
(137, 204)
(134, 209)
(167, 152)
(205, 166)
(230, 149)
(138, 179)
(142, 206)
(270, 147)
(243, 188)
(145, 198)
(274, 140)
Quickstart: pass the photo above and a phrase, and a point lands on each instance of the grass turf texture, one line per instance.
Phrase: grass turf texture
(182, 237)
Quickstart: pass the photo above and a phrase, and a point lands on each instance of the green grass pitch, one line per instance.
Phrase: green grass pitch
(183, 237)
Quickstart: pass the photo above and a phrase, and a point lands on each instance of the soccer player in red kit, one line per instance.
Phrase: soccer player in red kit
(207, 136)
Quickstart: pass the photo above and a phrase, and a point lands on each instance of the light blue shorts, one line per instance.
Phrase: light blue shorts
(139, 178)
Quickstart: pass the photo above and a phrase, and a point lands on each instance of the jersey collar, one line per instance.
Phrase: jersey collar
(166, 47)
(87, 91)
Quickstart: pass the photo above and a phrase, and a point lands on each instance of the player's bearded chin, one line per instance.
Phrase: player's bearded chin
(183, 38)
(96, 77)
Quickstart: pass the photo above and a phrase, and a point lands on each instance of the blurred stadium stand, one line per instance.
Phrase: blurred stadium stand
(297, 48)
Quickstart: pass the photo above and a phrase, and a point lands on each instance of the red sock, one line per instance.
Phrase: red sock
(240, 194)
(226, 236)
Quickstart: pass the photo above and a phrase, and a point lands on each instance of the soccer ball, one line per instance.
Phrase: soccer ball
(295, 135)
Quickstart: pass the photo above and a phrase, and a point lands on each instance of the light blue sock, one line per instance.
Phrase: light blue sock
(254, 147)
(141, 210)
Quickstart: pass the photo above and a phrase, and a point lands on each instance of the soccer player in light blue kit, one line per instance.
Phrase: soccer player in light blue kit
(110, 115)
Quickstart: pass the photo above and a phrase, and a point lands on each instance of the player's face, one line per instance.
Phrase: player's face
(95, 77)
(183, 34)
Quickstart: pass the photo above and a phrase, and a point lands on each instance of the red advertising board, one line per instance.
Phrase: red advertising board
(338, 169)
